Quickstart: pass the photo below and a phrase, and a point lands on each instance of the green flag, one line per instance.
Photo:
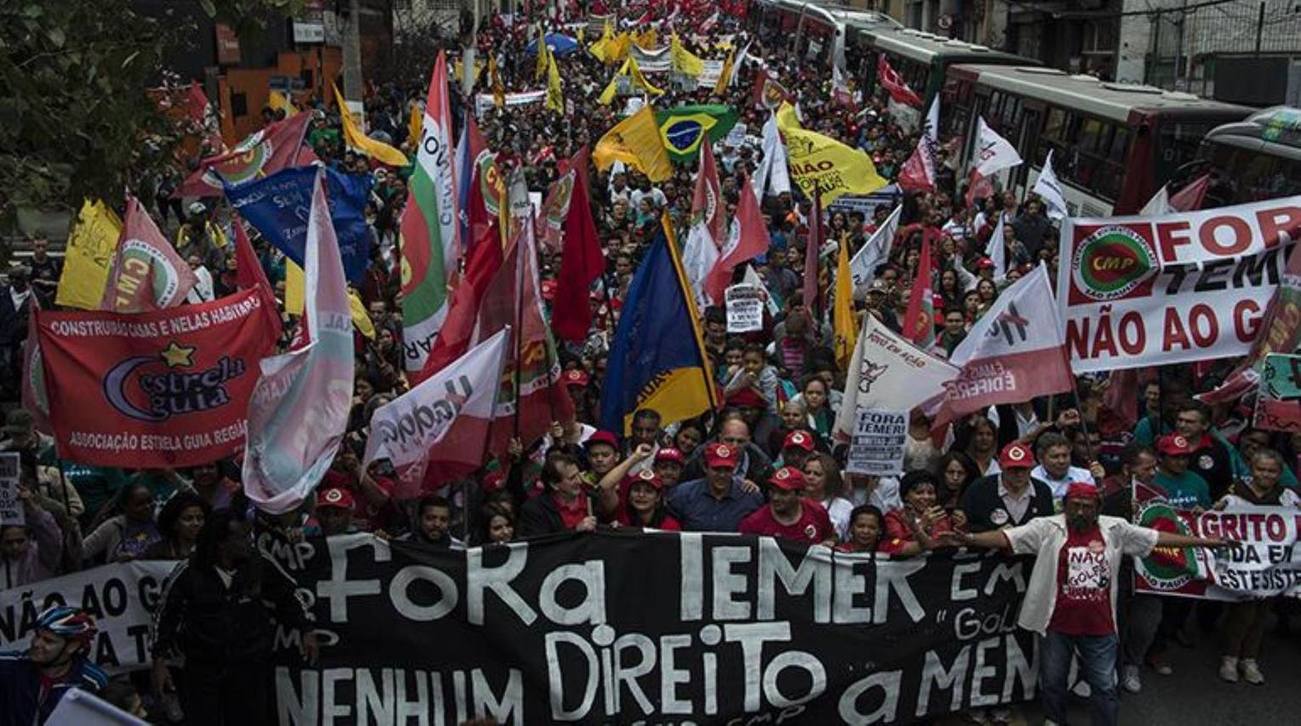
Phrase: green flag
(683, 128)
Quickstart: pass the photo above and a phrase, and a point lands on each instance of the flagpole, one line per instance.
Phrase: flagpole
(517, 332)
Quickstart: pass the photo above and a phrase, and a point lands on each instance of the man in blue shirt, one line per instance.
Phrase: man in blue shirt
(33, 682)
(719, 501)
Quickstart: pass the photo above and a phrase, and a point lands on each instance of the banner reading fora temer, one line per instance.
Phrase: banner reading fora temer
(153, 390)
(1152, 290)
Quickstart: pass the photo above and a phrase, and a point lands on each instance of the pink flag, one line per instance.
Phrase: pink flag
(299, 409)
(747, 239)
(894, 84)
(918, 172)
(275, 147)
(146, 273)
(1189, 199)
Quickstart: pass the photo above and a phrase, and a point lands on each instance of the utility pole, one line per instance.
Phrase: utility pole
(352, 81)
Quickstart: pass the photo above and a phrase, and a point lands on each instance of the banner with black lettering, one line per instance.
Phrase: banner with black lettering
(655, 628)
(1171, 288)
(122, 597)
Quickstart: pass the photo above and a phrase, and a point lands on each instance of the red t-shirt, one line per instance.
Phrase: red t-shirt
(1083, 587)
(574, 513)
(813, 525)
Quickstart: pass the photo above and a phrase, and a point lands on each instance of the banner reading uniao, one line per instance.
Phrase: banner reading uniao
(1188, 286)
(660, 628)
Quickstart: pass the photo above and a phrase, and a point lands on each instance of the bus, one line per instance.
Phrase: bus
(812, 29)
(1114, 145)
(923, 59)
(1251, 160)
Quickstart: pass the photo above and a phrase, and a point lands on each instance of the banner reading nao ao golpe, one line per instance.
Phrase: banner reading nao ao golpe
(163, 389)
(1173, 288)
(617, 627)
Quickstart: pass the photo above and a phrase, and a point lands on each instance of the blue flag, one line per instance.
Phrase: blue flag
(278, 207)
(657, 359)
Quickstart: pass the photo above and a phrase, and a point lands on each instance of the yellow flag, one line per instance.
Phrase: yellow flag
(498, 88)
(555, 94)
(294, 294)
(540, 67)
(618, 48)
(683, 60)
(639, 80)
(818, 161)
(636, 142)
(602, 47)
(648, 39)
(725, 76)
(89, 252)
(363, 143)
(842, 312)
(416, 123)
(280, 101)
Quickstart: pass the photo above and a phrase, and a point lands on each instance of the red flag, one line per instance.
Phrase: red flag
(146, 273)
(250, 276)
(34, 397)
(767, 93)
(811, 249)
(454, 337)
(151, 390)
(978, 187)
(1190, 198)
(919, 320)
(747, 239)
(196, 104)
(894, 84)
(275, 147)
(581, 263)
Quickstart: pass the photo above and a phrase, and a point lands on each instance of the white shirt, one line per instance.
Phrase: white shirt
(1016, 504)
(1074, 474)
(838, 509)
(19, 298)
(202, 290)
(885, 496)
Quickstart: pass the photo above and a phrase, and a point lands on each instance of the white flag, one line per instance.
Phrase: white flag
(993, 152)
(997, 249)
(887, 372)
(1158, 204)
(874, 252)
(751, 277)
(773, 177)
(1047, 187)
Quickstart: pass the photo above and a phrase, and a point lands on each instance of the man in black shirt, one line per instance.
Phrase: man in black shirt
(1009, 498)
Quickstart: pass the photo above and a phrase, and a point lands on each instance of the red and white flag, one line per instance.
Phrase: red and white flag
(919, 320)
(993, 154)
(481, 264)
(918, 172)
(700, 253)
(445, 419)
(146, 273)
(894, 84)
(747, 239)
(1188, 199)
(1015, 351)
(276, 147)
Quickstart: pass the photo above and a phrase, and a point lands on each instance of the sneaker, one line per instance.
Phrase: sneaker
(1229, 669)
(1251, 672)
(1082, 689)
(1160, 665)
(1130, 680)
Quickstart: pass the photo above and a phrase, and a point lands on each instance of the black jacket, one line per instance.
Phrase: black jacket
(539, 516)
(980, 502)
(200, 618)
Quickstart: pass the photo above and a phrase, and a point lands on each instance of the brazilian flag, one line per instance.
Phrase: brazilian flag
(683, 127)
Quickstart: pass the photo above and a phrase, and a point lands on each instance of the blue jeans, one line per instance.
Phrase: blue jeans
(1097, 655)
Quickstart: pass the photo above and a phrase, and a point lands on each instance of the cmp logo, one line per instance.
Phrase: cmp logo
(1111, 262)
(1167, 568)
(155, 388)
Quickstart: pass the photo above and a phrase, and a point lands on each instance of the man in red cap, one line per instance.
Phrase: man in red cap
(668, 467)
(1184, 489)
(719, 501)
(1010, 498)
(1071, 597)
(789, 515)
(334, 511)
(602, 452)
(797, 448)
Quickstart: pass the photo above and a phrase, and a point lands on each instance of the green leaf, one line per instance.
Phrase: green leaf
(209, 8)
(130, 58)
(56, 37)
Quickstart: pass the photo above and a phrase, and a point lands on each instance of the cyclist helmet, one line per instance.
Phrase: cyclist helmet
(68, 622)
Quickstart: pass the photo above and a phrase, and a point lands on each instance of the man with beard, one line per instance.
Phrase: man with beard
(1070, 601)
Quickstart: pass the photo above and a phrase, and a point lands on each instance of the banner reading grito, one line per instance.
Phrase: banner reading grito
(1173, 288)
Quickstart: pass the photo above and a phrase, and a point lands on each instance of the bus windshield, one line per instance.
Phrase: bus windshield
(1245, 175)
(1177, 144)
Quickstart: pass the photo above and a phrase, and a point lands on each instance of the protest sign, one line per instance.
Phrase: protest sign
(744, 308)
(1171, 288)
(877, 445)
(11, 507)
(887, 196)
(1278, 401)
(1266, 562)
(122, 597)
(619, 627)
(485, 101)
(153, 390)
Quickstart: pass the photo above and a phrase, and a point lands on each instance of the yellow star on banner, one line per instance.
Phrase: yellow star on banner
(176, 355)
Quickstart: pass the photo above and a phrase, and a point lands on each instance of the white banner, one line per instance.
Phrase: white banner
(121, 596)
(1171, 288)
(484, 101)
(1267, 563)
(11, 507)
(877, 446)
(744, 308)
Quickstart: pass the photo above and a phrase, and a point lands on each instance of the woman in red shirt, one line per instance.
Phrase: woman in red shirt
(644, 505)
(865, 525)
(909, 531)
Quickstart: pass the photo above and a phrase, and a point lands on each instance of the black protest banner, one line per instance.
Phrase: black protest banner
(652, 628)
(121, 596)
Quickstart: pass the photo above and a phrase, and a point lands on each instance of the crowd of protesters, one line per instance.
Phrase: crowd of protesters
(1039, 477)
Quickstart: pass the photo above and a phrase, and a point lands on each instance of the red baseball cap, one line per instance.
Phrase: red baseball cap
(984, 263)
(1015, 456)
(603, 437)
(721, 455)
(549, 289)
(669, 454)
(788, 478)
(646, 476)
(334, 497)
(798, 440)
(1174, 445)
(1082, 490)
(577, 377)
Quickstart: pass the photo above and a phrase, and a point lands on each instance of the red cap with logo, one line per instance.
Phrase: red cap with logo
(645, 476)
(1015, 456)
(788, 478)
(576, 377)
(341, 498)
(668, 454)
(798, 440)
(721, 455)
(1174, 445)
(603, 437)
